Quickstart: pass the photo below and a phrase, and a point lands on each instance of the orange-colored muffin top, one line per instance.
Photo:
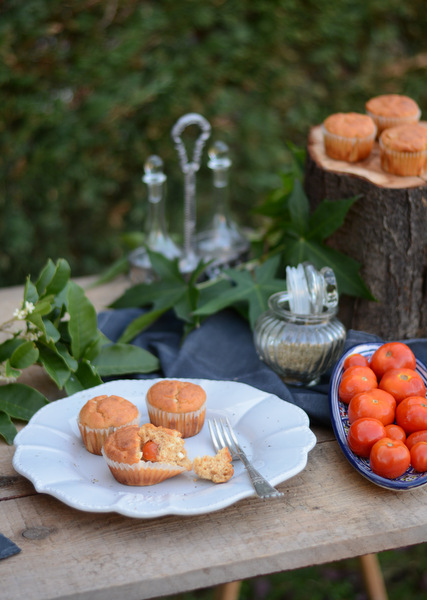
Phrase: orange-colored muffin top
(128, 445)
(392, 105)
(405, 138)
(107, 411)
(350, 125)
(176, 396)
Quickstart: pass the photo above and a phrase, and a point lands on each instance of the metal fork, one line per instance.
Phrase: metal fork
(222, 436)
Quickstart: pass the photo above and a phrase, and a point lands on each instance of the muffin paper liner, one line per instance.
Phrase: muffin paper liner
(349, 149)
(387, 122)
(94, 439)
(402, 163)
(142, 473)
(189, 424)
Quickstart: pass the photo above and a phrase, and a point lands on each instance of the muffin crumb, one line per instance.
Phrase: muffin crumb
(216, 468)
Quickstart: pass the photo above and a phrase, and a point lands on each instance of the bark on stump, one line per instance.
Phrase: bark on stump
(386, 231)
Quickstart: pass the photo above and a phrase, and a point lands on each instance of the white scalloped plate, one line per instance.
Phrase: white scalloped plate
(275, 435)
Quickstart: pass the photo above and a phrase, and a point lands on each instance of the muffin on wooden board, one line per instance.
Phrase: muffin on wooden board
(403, 150)
(216, 468)
(145, 455)
(348, 136)
(101, 415)
(391, 110)
(179, 405)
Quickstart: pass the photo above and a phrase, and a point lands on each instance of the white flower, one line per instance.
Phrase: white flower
(21, 313)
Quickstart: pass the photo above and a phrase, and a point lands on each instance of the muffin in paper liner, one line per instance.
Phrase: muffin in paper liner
(145, 455)
(392, 110)
(94, 439)
(176, 404)
(403, 150)
(142, 473)
(189, 424)
(349, 149)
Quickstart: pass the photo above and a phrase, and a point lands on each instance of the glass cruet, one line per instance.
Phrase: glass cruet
(300, 337)
(222, 242)
(156, 236)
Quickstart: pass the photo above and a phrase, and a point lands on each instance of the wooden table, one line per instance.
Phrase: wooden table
(329, 512)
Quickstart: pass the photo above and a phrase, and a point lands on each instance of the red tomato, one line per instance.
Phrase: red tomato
(396, 433)
(393, 355)
(355, 360)
(411, 414)
(389, 458)
(414, 438)
(419, 456)
(149, 451)
(363, 434)
(402, 383)
(355, 380)
(375, 403)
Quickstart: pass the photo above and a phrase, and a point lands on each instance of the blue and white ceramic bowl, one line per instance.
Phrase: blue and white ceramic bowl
(409, 480)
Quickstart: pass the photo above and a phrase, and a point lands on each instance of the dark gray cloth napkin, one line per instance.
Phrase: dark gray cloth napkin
(222, 348)
(7, 547)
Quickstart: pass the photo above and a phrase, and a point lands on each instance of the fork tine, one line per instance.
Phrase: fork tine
(214, 437)
(232, 434)
(229, 436)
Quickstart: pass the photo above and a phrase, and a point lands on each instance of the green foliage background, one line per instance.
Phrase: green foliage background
(90, 88)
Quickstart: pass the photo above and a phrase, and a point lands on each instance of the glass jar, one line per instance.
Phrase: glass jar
(298, 347)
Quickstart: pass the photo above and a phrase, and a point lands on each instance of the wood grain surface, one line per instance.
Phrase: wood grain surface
(329, 512)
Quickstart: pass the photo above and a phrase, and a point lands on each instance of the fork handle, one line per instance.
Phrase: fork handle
(261, 485)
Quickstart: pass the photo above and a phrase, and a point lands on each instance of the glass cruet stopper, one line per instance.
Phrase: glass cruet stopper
(222, 240)
(156, 235)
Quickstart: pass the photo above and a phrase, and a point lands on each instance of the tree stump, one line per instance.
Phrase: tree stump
(386, 231)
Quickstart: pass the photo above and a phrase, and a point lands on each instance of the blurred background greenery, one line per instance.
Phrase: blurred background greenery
(91, 88)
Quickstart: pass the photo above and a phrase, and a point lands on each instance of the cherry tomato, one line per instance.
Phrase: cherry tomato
(395, 432)
(389, 458)
(414, 438)
(393, 355)
(375, 403)
(363, 434)
(411, 414)
(419, 456)
(355, 360)
(355, 380)
(402, 383)
(149, 451)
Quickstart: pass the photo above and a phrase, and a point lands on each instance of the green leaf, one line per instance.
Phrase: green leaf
(30, 292)
(165, 268)
(252, 290)
(55, 365)
(8, 347)
(20, 401)
(59, 278)
(52, 334)
(299, 208)
(7, 428)
(82, 325)
(84, 378)
(141, 323)
(24, 356)
(43, 306)
(123, 359)
(116, 269)
(9, 371)
(45, 277)
(328, 217)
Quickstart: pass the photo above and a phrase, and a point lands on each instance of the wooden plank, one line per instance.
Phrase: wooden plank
(329, 512)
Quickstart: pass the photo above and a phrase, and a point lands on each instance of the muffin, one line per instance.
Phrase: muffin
(179, 405)
(348, 136)
(391, 110)
(145, 455)
(403, 150)
(216, 468)
(100, 416)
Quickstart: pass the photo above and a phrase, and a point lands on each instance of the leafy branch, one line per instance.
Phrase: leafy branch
(56, 328)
